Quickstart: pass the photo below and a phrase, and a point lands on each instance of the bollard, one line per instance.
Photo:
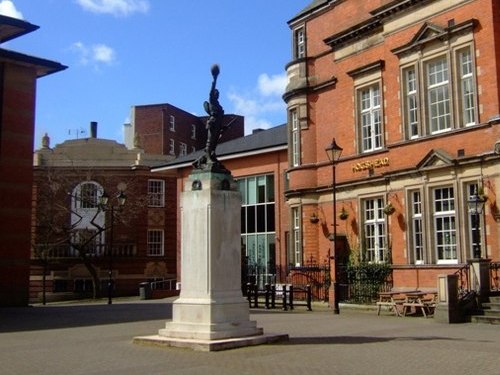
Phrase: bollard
(284, 298)
(268, 292)
(256, 296)
(290, 299)
(273, 296)
(249, 294)
(309, 297)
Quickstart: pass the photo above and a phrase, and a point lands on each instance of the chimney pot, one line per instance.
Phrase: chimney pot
(93, 129)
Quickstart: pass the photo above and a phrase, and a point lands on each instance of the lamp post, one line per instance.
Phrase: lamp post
(106, 206)
(333, 151)
(476, 205)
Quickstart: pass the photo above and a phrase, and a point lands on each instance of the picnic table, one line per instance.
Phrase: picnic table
(402, 302)
(389, 300)
(418, 300)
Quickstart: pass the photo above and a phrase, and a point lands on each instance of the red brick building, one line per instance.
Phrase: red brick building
(168, 130)
(18, 78)
(410, 90)
(78, 240)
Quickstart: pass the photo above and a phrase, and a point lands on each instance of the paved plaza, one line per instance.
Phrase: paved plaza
(96, 338)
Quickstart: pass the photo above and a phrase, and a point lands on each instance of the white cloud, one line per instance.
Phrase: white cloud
(115, 7)
(96, 54)
(7, 8)
(264, 104)
(103, 53)
(274, 85)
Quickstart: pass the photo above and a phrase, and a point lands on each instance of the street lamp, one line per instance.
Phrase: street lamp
(333, 151)
(105, 206)
(476, 205)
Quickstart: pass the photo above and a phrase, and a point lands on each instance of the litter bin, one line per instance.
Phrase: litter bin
(144, 290)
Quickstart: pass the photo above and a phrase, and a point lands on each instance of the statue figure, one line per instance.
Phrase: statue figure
(214, 127)
(215, 117)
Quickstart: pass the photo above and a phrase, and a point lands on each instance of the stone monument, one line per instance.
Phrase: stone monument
(210, 313)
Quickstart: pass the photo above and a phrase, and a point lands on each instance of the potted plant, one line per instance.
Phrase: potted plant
(314, 218)
(343, 214)
(389, 209)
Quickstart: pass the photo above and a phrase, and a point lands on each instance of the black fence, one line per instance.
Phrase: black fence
(494, 276)
(362, 285)
(316, 276)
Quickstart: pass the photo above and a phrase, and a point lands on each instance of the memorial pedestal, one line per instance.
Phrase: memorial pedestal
(210, 313)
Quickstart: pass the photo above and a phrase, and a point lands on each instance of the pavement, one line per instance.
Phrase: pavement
(96, 338)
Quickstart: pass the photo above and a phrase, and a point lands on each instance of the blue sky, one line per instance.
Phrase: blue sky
(122, 53)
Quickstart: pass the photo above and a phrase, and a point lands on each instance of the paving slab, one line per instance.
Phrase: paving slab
(96, 338)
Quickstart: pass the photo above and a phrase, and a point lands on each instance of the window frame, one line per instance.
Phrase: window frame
(445, 223)
(171, 122)
(470, 189)
(418, 233)
(299, 42)
(374, 226)
(172, 146)
(91, 199)
(193, 131)
(156, 246)
(370, 132)
(156, 194)
(295, 137)
(182, 149)
(296, 237)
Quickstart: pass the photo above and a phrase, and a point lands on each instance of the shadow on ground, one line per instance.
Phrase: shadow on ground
(63, 316)
(357, 340)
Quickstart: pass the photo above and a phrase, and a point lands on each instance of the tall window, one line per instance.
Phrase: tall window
(156, 193)
(258, 224)
(467, 91)
(295, 149)
(411, 101)
(296, 256)
(172, 146)
(155, 242)
(172, 123)
(183, 149)
(370, 118)
(438, 95)
(300, 43)
(445, 225)
(417, 227)
(473, 225)
(374, 230)
(86, 217)
(193, 131)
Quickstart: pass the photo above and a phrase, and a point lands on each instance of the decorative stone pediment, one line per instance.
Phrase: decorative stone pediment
(427, 32)
(430, 32)
(436, 158)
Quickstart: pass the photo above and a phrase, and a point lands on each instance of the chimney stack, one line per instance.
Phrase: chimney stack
(93, 129)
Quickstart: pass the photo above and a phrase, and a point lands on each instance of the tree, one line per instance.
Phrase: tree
(71, 222)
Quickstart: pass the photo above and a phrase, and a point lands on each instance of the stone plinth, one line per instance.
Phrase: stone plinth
(211, 307)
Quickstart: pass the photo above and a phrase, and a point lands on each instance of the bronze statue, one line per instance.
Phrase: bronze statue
(214, 127)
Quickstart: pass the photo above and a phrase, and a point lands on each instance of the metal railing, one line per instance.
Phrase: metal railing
(463, 278)
(100, 250)
(494, 276)
(317, 276)
(168, 284)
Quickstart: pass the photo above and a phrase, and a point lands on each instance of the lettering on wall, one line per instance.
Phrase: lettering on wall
(370, 164)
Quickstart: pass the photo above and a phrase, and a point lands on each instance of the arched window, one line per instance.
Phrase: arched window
(86, 195)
